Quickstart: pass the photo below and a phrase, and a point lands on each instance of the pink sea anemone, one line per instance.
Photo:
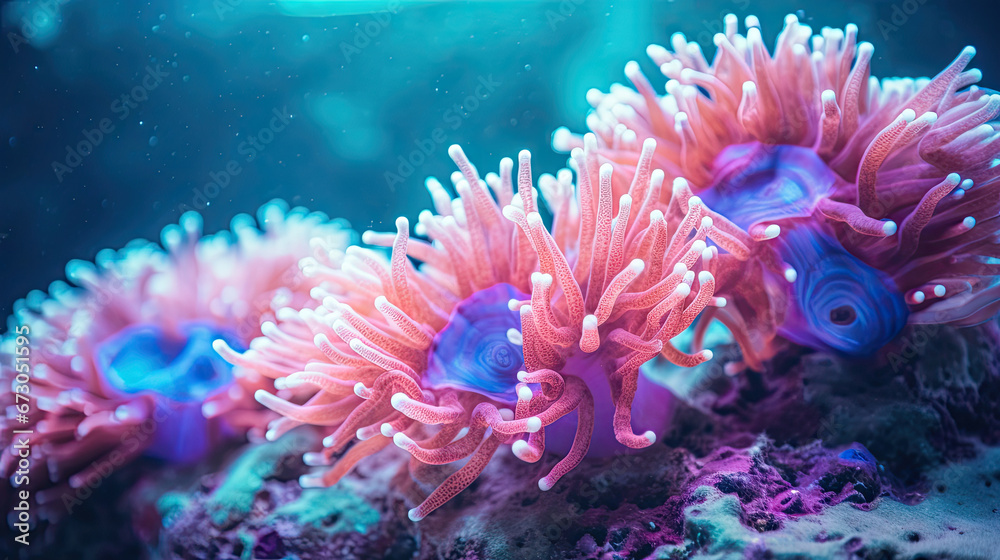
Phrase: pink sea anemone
(506, 326)
(853, 205)
(121, 364)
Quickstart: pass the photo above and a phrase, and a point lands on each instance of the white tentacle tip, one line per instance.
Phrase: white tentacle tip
(889, 227)
(534, 424)
(402, 440)
(514, 336)
(506, 414)
(359, 389)
(791, 275)
(522, 375)
(940, 290)
(683, 290)
(315, 459)
(631, 69)
(414, 515)
(524, 393)
(650, 436)
(219, 346)
(399, 400)
(311, 481)
(919, 296)
(520, 449)
(387, 430)
(707, 354)
(772, 231)
(208, 410)
(544, 485)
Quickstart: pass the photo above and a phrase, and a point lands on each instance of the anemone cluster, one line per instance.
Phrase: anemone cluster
(885, 190)
(789, 195)
(122, 362)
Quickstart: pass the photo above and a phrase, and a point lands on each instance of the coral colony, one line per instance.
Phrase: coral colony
(123, 362)
(852, 202)
(790, 196)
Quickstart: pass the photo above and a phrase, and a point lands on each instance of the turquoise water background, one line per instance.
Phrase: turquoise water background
(221, 105)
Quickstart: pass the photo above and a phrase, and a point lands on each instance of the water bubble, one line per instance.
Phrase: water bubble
(153, 141)
(186, 78)
(163, 17)
(187, 34)
(527, 67)
(156, 29)
(12, 141)
(305, 38)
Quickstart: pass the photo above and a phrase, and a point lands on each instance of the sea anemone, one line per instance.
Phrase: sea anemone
(121, 363)
(884, 193)
(506, 326)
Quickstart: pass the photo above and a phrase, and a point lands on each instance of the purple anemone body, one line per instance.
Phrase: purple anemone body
(756, 183)
(837, 302)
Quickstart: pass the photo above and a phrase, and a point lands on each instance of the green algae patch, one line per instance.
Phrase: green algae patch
(170, 506)
(234, 498)
(335, 509)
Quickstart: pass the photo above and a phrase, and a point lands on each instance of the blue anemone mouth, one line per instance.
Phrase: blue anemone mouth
(474, 351)
(180, 370)
(177, 364)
